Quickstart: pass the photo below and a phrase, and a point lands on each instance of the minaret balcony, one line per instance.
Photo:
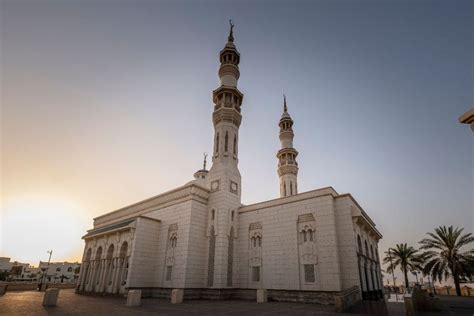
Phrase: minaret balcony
(285, 151)
(224, 114)
(229, 97)
(288, 169)
(229, 54)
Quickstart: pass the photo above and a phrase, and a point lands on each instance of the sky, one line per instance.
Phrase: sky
(105, 103)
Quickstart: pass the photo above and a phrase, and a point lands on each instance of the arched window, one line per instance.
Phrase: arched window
(235, 144)
(226, 141)
(254, 242)
(123, 250)
(213, 214)
(291, 188)
(259, 241)
(310, 235)
(304, 235)
(217, 143)
(98, 254)
(173, 241)
(110, 251)
(88, 254)
(284, 188)
(232, 216)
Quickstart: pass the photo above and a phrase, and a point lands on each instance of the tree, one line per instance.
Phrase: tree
(4, 275)
(444, 256)
(404, 257)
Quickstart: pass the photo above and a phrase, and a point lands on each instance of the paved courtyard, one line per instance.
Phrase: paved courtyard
(69, 303)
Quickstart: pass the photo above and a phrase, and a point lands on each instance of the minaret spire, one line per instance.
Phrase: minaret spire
(231, 32)
(287, 165)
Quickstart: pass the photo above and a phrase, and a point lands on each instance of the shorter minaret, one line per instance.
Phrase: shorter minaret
(201, 174)
(287, 165)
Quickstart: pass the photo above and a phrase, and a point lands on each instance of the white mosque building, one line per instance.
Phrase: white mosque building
(317, 246)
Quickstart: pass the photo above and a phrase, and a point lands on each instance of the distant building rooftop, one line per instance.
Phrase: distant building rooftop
(468, 118)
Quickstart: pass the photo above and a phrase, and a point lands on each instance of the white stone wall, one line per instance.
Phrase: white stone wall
(347, 243)
(144, 258)
(197, 247)
(279, 223)
(280, 266)
(179, 214)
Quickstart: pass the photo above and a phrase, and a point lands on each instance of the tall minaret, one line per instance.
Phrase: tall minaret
(224, 177)
(287, 165)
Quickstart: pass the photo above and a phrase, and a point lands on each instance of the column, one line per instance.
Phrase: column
(115, 275)
(83, 277)
(103, 280)
(99, 276)
(91, 284)
(363, 280)
(369, 279)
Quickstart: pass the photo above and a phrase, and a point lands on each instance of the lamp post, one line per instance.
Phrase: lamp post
(47, 268)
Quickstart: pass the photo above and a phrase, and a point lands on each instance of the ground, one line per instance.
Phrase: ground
(69, 303)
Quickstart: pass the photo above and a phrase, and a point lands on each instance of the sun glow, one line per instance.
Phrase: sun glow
(31, 225)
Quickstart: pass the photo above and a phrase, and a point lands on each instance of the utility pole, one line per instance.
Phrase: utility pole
(47, 268)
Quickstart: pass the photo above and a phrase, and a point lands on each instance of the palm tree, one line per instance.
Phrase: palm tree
(403, 256)
(444, 256)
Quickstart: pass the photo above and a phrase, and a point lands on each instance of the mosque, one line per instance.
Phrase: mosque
(317, 246)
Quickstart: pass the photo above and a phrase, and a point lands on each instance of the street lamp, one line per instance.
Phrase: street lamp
(47, 268)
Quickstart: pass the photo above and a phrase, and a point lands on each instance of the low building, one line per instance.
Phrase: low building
(30, 273)
(60, 272)
(5, 264)
(18, 269)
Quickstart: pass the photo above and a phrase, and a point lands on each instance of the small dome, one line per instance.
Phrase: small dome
(201, 174)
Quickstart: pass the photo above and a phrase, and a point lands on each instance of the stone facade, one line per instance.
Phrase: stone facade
(200, 238)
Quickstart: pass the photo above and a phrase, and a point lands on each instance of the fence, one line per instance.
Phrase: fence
(30, 286)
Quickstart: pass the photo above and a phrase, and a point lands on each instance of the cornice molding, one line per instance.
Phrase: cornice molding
(328, 191)
(187, 192)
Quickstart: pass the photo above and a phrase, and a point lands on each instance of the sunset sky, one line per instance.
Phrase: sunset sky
(105, 103)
